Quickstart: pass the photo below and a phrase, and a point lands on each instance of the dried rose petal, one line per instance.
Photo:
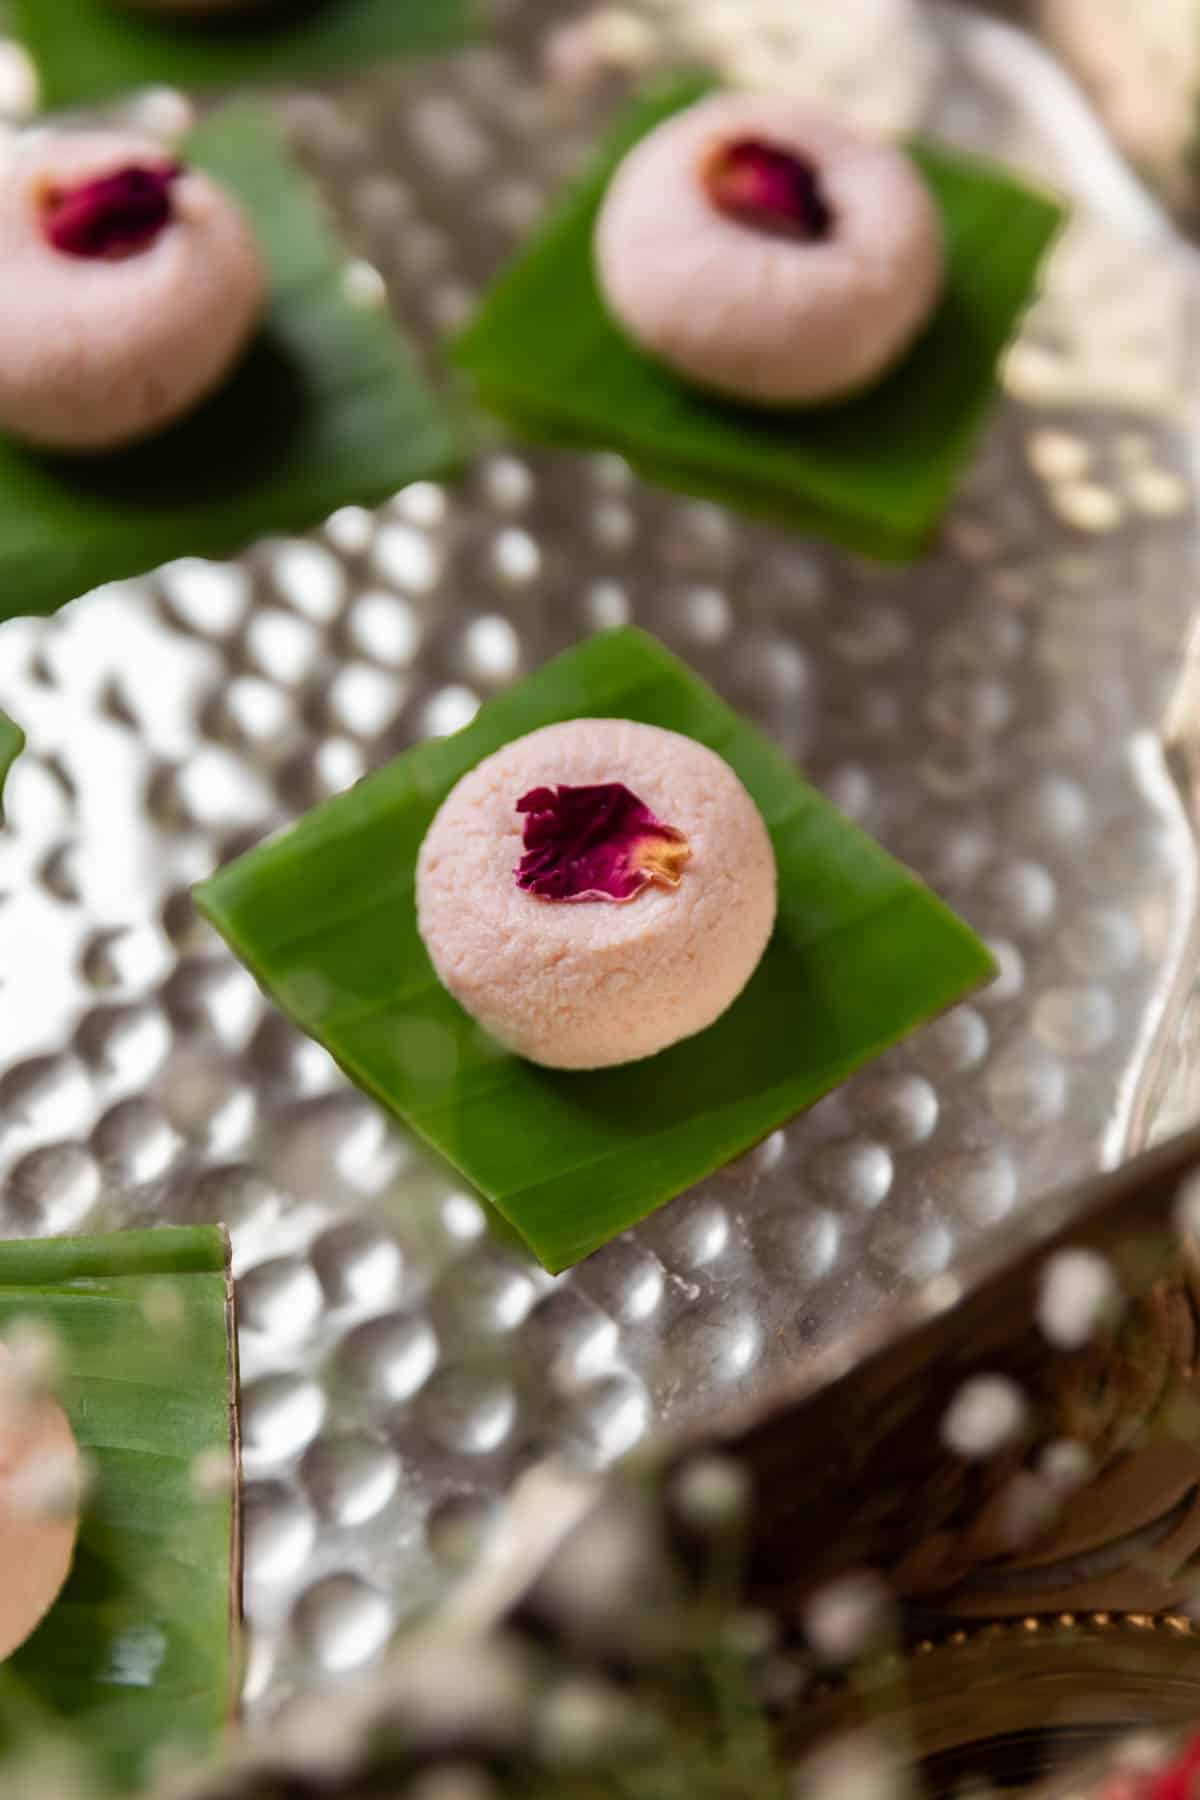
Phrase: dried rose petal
(774, 190)
(595, 843)
(115, 215)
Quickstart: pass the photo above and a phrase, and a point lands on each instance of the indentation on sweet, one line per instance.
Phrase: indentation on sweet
(769, 188)
(112, 216)
(598, 842)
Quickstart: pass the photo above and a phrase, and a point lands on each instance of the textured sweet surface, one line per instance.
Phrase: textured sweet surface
(96, 352)
(768, 318)
(991, 715)
(579, 987)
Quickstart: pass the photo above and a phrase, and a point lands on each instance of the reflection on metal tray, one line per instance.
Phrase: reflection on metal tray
(991, 714)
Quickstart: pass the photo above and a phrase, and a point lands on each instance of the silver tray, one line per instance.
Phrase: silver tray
(993, 714)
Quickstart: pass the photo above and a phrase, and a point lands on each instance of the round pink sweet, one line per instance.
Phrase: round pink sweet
(757, 315)
(36, 1547)
(585, 985)
(97, 353)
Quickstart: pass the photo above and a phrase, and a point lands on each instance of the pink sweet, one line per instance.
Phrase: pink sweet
(131, 287)
(767, 252)
(37, 1542)
(584, 986)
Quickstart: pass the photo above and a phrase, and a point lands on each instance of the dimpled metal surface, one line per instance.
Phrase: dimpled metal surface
(991, 714)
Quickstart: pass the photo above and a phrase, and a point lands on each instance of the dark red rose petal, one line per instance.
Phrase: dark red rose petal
(595, 843)
(771, 189)
(114, 216)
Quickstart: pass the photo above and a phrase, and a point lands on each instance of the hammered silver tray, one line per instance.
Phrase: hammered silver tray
(994, 714)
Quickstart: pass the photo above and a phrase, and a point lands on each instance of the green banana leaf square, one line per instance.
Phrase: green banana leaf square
(875, 472)
(138, 1656)
(326, 410)
(88, 50)
(325, 917)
